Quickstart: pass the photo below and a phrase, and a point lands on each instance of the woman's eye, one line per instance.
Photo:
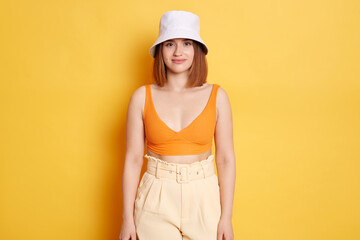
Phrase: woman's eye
(188, 43)
(168, 44)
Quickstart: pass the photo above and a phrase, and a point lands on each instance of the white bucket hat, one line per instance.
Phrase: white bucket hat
(178, 24)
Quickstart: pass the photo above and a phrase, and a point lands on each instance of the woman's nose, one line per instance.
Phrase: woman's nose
(178, 50)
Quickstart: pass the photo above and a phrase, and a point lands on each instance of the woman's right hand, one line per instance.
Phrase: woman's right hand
(128, 230)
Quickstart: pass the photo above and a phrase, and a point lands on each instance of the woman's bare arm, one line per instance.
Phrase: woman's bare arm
(134, 152)
(224, 151)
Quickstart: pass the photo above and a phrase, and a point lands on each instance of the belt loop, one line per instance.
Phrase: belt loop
(157, 172)
(203, 168)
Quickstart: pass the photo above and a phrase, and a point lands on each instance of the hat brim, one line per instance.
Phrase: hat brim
(177, 34)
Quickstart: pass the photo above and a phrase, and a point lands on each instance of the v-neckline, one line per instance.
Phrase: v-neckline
(191, 123)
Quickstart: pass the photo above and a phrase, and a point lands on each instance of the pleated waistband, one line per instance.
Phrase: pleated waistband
(182, 172)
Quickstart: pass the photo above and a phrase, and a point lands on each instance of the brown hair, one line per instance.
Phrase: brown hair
(198, 69)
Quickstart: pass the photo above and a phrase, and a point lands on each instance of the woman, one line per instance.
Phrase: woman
(179, 195)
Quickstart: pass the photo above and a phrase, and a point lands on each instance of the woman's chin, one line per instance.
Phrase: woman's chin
(179, 70)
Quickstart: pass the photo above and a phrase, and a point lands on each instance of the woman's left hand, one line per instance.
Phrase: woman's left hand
(225, 230)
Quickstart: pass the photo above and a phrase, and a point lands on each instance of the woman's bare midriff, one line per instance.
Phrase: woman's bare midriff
(186, 159)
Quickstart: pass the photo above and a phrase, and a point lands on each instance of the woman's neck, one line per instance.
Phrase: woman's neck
(177, 81)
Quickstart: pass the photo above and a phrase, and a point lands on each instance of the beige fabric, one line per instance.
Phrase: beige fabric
(178, 201)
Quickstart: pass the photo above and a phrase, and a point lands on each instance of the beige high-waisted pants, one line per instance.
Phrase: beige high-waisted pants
(178, 201)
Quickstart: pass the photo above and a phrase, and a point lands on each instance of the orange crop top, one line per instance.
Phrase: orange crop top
(196, 138)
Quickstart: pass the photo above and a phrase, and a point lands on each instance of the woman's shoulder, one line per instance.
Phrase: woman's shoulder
(138, 96)
(222, 98)
(139, 92)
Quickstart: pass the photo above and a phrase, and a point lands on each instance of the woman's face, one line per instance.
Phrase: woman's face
(178, 54)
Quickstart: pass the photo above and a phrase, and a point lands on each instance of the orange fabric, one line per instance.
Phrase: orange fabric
(196, 138)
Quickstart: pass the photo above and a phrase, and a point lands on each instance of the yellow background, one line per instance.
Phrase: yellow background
(290, 68)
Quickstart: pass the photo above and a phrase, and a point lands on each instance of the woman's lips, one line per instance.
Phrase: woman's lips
(178, 60)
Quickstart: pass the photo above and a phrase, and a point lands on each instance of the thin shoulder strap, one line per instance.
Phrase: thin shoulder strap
(147, 96)
(216, 87)
(214, 91)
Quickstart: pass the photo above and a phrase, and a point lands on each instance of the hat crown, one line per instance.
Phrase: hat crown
(174, 20)
(178, 24)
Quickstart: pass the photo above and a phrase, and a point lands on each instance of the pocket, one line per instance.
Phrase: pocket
(143, 183)
(216, 196)
(149, 196)
(210, 206)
